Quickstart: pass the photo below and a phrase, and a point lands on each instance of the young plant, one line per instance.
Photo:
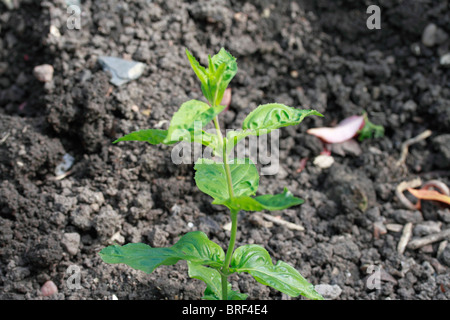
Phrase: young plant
(230, 182)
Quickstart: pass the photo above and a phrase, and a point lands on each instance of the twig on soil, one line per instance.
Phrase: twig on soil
(442, 187)
(61, 176)
(406, 236)
(282, 222)
(402, 187)
(418, 243)
(4, 138)
(441, 248)
(394, 227)
(409, 142)
(428, 192)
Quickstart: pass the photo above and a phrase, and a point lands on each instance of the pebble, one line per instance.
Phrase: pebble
(329, 292)
(427, 227)
(404, 216)
(433, 35)
(49, 288)
(445, 256)
(64, 165)
(323, 161)
(394, 227)
(348, 250)
(122, 71)
(71, 242)
(410, 106)
(445, 60)
(44, 72)
(9, 4)
(379, 229)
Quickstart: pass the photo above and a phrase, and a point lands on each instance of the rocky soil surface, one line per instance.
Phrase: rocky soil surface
(56, 216)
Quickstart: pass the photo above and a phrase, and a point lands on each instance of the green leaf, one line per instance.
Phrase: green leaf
(268, 117)
(193, 246)
(192, 116)
(211, 178)
(186, 125)
(256, 261)
(213, 282)
(214, 79)
(152, 136)
(370, 130)
(225, 70)
(270, 202)
(198, 69)
(234, 136)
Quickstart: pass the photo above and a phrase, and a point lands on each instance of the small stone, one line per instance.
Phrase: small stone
(227, 226)
(64, 165)
(427, 227)
(428, 35)
(433, 35)
(122, 70)
(410, 106)
(404, 216)
(54, 31)
(440, 269)
(81, 217)
(323, 161)
(44, 73)
(71, 242)
(347, 249)
(329, 292)
(350, 147)
(445, 256)
(445, 60)
(379, 229)
(10, 4)
(49, 288)
(394, 227)
(107, 222)
(157, 237)
(117, 238)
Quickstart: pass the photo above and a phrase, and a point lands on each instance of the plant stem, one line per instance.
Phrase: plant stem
(224, 157)
(224, 286)
(226, 264)
(234, 213)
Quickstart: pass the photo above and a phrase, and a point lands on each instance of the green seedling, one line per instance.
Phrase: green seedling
(230, 182)
(370, 130)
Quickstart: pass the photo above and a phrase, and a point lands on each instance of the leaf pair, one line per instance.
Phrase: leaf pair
(193, 246)
(186, 125)
(256, 261)
(265, 118)
(214, 80)
(199, 252)
(210, 178)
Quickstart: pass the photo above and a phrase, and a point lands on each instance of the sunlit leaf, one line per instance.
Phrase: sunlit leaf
(272, 116)
(213, 282)
(211, 178)
(193, 246)
(256, 261)
(265, 202)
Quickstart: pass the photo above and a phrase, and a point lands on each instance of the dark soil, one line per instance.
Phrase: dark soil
(310, 54)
